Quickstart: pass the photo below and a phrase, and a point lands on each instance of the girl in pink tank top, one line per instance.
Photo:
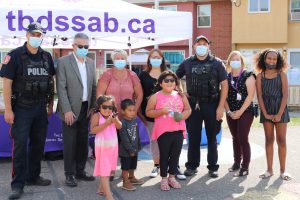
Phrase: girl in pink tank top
(169, 109)
(104, 123)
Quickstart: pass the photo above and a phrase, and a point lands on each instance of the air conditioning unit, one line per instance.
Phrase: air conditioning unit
(295, 16)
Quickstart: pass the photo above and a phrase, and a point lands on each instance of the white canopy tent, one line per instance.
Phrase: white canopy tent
(111, 24)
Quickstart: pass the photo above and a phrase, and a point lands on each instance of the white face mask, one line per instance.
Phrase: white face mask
(201, 50)
(235, 64)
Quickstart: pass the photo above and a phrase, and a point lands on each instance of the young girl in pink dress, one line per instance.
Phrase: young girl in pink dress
(104, 123)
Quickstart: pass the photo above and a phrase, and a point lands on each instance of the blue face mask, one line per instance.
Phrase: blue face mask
(201, 50)
(120, 64)
(35, 42)
(81, 52)
(155, 62)
(235, 64)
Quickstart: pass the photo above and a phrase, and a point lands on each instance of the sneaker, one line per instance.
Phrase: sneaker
(154, 172)
(213, 174)
(39, 181)
(85, 177)
(71, 181)
(190, 172)
(180, 175)
(234, 167)
(15, 194)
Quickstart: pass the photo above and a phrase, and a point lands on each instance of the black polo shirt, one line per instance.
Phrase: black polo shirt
(12, 62)
(218, 67)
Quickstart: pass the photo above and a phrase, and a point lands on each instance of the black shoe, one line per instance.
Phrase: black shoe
(40, 181)
(234, 167)
(85, 177)
(190, 172)
(15, 194)
(242, 172)
(213, 174)
(71, 181)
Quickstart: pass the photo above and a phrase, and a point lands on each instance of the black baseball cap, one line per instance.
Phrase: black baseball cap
(201, 37)
(35, 27)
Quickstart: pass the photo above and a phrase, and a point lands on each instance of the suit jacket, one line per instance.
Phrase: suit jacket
(69, 85)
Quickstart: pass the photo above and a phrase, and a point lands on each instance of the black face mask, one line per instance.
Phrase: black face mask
(270, 66)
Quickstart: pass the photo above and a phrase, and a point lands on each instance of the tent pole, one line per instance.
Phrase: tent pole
(129, 45)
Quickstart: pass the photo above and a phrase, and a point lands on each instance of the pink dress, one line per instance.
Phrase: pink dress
(106, 150)
(166, 123)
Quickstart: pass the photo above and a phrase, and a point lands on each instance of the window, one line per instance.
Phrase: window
(259, 6)
(293, 72)
(173, 58)
(92, 55)
(2, 55)
(204, 16)
(295, 10)
(108, 63)
(169, 8)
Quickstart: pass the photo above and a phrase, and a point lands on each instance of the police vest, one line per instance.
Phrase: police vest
(35, 82)
(201, 82)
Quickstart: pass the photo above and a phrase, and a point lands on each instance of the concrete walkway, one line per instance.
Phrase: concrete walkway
(200, 186)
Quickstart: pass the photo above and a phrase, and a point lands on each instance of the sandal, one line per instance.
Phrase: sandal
(265, 175)
(101, 193)
(286, 176)
(173, 183)
(164, 186)
(241, 172)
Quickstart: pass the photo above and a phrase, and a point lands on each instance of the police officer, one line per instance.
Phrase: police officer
(27, 73)
(204, 74)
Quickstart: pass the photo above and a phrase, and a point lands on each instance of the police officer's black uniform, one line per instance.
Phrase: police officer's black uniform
(203, 78)
(32, 88)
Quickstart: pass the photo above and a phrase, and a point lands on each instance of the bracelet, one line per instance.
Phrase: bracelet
(228, 112)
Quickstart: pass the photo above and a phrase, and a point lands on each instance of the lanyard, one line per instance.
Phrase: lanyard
(235, 87)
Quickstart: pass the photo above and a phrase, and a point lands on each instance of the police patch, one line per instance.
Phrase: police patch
(6, 59)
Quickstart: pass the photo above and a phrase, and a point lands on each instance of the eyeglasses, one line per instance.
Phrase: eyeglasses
(167, 80)
(82, 46)
(105, 107)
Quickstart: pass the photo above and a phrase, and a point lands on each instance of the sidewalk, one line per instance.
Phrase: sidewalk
(200, 186)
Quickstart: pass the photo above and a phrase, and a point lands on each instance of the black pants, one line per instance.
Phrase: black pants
(128, 163)
(75, 139)
(169, 144)
(207, 113)
(29, 123)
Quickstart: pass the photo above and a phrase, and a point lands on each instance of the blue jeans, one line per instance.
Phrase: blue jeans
(29, 123)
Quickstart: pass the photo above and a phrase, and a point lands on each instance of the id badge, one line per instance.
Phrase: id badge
(238, 97)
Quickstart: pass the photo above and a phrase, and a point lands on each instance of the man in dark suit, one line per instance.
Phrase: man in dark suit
(76, 83)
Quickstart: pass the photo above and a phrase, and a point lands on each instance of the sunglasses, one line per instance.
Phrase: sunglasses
(82, 46)
(104, 107)
(167, 80)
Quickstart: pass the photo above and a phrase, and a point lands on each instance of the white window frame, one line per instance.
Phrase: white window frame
(292, 12)
(180, 51)
(289, 51)
(175, 6)
(105, 57)
(269, 6)
(198, 16)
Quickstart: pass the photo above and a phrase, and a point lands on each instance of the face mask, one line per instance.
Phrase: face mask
(120, 64)
(201, 50)
(235, 64)
(82, 52)
(270, 66)
(155, 62)
(35, 42)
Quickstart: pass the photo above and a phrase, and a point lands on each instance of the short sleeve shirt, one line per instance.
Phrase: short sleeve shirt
(12, 62)
(120, 89)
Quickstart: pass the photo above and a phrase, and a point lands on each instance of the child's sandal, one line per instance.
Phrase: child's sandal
(265, 175)
(173, 183)
(164, 186)
(286, 176)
